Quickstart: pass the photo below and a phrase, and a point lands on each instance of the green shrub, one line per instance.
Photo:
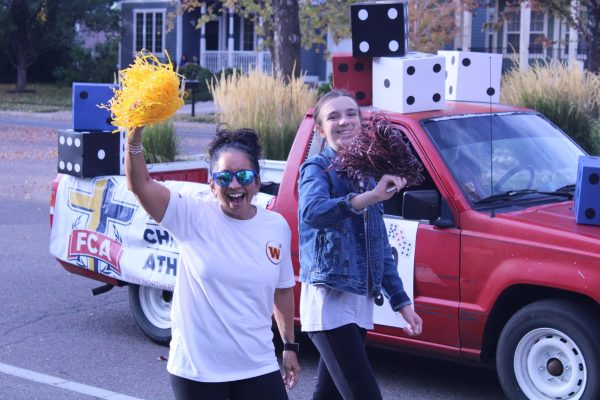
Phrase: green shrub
(566, 95)
(226, 72)
(569, 118)
(325, 87)
(195, 72)
(160, 143)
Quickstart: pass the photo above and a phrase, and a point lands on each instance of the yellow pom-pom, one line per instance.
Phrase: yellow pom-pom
(150, 92)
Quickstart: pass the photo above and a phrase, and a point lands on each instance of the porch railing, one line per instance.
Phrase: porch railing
(243, 61)
(536, 55)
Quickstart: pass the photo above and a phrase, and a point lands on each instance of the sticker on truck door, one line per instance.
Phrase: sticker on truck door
(402, 235)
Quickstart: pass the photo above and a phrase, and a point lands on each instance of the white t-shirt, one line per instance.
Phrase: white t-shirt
(323, 308)
(223, 299)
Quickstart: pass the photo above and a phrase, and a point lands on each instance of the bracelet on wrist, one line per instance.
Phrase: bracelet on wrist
(134, 148)
(295, 347)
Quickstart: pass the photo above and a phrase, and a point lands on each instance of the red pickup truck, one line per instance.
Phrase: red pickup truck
(499, 270)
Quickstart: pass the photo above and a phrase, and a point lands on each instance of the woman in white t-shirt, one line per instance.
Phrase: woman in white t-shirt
(235, 272)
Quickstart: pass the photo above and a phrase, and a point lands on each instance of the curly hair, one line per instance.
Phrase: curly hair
(244, 140)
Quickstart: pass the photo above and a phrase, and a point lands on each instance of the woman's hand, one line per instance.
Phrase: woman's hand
(415, 323)
(292, 369)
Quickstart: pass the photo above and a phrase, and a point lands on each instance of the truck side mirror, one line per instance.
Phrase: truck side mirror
(426, 205)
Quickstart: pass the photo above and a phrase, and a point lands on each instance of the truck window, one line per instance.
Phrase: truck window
(393, 206)
(316, 145)
(504, 152)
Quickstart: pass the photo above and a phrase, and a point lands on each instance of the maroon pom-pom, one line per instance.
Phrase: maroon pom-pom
(380, 148)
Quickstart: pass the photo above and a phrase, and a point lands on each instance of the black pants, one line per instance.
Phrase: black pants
(344, 370)
(269, 386)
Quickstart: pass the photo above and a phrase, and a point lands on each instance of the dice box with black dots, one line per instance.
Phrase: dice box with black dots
(354, 74)
(472, 76)
(379, 28)
(89, 154)
(587, 193)
(87, 116)
(409, 84)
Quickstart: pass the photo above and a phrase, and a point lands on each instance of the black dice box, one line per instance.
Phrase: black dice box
(379, 28)
(88, 154)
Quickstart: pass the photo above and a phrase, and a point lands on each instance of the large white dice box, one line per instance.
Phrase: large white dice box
(409, 84)
(472, 76)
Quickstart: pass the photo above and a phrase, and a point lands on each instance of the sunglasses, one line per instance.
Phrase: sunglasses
(243, 176)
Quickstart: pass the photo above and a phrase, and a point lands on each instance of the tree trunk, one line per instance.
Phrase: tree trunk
(21, 78)
(21, 65)
(286, 38)
(593, 53)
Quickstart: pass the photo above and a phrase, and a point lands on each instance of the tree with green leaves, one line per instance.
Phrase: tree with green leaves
(285, 25)
(32, 28)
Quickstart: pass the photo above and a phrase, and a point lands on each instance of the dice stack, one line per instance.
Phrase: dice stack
(91, 148)
(382, 72)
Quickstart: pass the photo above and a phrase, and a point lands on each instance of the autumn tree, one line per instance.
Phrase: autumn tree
(31, 28)
(286, 25)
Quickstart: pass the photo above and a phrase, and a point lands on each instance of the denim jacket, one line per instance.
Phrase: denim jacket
(338, 245)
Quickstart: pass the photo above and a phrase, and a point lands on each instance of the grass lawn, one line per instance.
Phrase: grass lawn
(38, 98)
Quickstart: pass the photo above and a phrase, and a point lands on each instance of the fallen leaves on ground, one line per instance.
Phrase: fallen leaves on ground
(25, 142)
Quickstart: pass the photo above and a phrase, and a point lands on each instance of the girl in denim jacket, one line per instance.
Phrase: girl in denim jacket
(345, 258)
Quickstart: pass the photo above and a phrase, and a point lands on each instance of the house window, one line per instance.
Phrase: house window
(149, 31)
(513, 29)
(491, 32)
(536, 32)
(248, 35)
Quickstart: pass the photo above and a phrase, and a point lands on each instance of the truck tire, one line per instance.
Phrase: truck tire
(151, 308)
(550, 349)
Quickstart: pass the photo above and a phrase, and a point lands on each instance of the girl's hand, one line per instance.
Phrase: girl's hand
(388, 186)
(415, 323)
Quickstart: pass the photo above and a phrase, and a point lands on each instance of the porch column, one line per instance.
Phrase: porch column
(466, 30)
(464, 24)
(573, 34)
(230, 44)
(524, 36)
(260, 61)
(203, 37)
(178, 51)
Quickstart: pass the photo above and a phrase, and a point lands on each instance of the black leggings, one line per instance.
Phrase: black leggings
(344, 370)
(268, 386)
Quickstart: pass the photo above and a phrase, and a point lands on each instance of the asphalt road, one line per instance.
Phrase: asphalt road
(57, 341)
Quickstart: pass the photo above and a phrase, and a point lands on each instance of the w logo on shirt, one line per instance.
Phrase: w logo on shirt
(274, 252)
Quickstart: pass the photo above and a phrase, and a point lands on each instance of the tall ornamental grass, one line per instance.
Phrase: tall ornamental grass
(160, 143)
(266, 103)
(566, 95)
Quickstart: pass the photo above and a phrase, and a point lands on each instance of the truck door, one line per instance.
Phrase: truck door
(428, 260)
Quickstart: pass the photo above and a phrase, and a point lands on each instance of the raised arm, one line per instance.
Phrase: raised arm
(153, 196)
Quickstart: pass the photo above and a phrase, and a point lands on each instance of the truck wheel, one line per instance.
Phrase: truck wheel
(151, 308)
(550, 350)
